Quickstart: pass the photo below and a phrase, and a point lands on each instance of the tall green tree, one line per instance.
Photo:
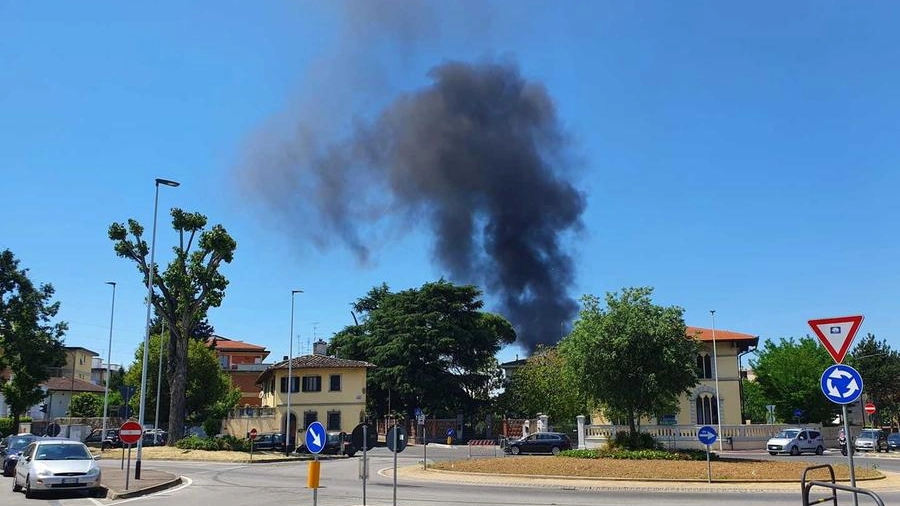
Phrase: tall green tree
(755, 402)
(207, 386)
(545, 384)
(30, 342)
(633, 357)
(183, 293)
(433, 346)
(879, 366)
(86, 405)
(788, 373)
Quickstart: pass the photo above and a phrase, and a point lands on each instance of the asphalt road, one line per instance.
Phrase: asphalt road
(218, 484)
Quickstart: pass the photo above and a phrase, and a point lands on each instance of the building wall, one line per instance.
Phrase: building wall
(81, 360)
(350, 401)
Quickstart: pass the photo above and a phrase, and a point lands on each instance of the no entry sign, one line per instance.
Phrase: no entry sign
(870, 408)
(130, 432)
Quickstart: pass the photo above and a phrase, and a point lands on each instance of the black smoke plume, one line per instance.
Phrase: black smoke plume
(479, 157)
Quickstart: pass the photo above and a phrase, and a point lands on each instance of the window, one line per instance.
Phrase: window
(295, 384)
(309, 417)
(334, 420)
(335, 383)
(704, 366)
(312, 383)
(223, 361)
(707, 412)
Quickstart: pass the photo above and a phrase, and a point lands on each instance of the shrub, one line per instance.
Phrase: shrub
(193, 442)
(228, 443)
(211, 426)
(616, 453)
(6, 425)
(640, 441)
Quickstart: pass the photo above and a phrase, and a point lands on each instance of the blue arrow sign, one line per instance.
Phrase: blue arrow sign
(842, 384)
(315, 437)
(707, 435)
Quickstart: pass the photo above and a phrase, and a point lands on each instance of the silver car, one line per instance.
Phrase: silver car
(796, 441)
(56, 464)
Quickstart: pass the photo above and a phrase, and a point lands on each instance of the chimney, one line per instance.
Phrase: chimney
(320, 347)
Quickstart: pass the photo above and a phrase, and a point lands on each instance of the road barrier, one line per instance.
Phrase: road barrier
(482, 442)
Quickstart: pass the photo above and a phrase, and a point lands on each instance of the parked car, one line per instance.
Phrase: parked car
(333, 445)
(894, 441)
(56, 464)
(155, 437)
(110, 441)
(540, 442)
(796, 440)
(269, 441)
(15, 444)
(872, 439)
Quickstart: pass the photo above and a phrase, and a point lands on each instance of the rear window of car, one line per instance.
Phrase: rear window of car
(814, 435)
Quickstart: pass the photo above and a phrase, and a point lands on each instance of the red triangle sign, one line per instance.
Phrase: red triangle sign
(837, 334)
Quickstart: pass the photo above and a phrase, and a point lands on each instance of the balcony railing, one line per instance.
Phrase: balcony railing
(246, 367)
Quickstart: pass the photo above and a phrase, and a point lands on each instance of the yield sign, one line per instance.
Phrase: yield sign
(836, 334)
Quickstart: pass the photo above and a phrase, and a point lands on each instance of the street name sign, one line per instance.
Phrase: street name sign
(836, 334)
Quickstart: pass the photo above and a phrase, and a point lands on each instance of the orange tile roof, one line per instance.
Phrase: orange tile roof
(721, 335)
(226, 344)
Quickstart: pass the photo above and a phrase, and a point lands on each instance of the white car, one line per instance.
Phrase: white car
(56, 464)
(796, 441)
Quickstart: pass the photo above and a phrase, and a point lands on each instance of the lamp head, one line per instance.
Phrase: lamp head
(113, 283)
(296, 291)
(167, 182)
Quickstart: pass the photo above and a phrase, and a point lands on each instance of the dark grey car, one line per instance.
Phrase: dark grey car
(540, 442)
(11, 454)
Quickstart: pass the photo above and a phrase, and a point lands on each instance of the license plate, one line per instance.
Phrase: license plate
(67, 481)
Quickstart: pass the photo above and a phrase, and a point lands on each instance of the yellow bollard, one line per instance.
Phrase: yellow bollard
(449, 440)
(312, 476)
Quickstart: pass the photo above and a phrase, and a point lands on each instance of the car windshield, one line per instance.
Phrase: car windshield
(869, 434)
(787, 434)
(18, 443)
(62, 452)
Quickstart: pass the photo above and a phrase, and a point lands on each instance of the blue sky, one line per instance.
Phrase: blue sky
(737, 158)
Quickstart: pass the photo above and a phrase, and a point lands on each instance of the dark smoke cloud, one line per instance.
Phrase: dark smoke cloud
(480, 157)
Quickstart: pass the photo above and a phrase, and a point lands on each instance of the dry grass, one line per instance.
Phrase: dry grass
(172, 453)
(723, 470)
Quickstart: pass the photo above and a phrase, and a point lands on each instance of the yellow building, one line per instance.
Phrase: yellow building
(699, 407)
(79, 363)
(326, 389)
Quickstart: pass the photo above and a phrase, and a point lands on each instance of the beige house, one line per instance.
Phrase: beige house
(326, 389)
(79, 363)
(698, 407)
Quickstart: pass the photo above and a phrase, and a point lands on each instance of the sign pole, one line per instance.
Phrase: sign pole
(850, 450)
(365, 462)
(708, 467)
(396, 435)
(129, 466)
(316, 490)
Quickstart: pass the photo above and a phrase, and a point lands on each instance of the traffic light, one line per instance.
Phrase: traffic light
(44, 407)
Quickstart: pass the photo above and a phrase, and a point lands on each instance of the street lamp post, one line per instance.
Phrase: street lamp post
(287, 416)
(716, 372)
(112, 313)
(159, 382)
(150, 268)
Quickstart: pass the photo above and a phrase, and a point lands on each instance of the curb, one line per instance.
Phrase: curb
(114, 495)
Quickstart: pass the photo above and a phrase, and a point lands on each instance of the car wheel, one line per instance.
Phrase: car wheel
(795, 451)
(514, 450)
(98, 493)
(820, 450)
(773, 453)
(29, 494)
(6, 471)
(554, 450)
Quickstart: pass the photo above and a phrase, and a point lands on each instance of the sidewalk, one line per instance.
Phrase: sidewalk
(151, 481)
